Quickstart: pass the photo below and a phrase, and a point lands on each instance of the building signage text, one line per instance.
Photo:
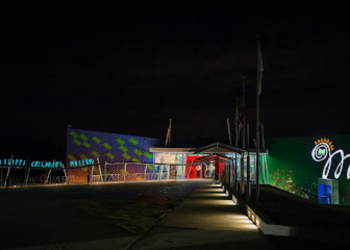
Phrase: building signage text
(323, 151)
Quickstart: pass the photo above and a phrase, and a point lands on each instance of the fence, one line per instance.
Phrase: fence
(51, 180)
(134, 177)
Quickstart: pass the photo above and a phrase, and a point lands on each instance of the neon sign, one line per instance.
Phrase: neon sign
(46, 164)
(15, 162)
(34, 164)
(85, 162)
(322, 151)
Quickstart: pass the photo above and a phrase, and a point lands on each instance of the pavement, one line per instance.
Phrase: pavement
(207, 219)
(44, 218)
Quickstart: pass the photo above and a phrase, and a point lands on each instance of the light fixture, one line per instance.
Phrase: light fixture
(257, 222)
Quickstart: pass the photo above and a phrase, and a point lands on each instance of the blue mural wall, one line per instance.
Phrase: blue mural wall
(86, 144)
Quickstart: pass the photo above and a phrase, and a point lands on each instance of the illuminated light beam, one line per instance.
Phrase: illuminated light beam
(320, 153)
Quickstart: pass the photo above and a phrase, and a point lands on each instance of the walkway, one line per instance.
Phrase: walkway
(207, 219)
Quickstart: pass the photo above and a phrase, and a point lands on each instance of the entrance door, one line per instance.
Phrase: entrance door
(173, 171)
(210, 170)
(198, 171)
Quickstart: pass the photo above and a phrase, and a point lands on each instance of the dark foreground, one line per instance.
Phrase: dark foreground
(43, 216)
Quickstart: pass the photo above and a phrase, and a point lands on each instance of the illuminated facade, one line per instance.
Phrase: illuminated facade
(108, 148)
(118, 157)
(312, 167)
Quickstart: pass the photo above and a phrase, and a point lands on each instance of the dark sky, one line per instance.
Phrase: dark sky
(128, 68)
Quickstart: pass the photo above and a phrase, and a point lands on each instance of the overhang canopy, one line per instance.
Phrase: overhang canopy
(218, 148)
(171, 150)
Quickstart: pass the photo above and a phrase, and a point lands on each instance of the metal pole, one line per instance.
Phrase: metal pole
(227, 174)
(236, 172)
(65, 174)
(145, 172)
(99, 167)
(243, 130)
(105, 172)
(247, 135)
(242, 174)
(267, 171)
(263, 169)
(124, 171)
(28, 173)
(92, 172)
(248, 178)
(48, 175)
(257, 191)
(8, 171)
(169, 133)
(260, 69)
(229, 131)
(161, 172)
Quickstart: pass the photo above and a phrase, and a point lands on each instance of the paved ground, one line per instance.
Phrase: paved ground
(38, 219)
(41, 217)
(205, 220)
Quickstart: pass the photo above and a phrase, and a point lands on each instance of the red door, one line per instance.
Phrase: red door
(191, 170)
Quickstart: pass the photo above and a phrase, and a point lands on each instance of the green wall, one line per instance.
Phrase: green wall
(291, 165)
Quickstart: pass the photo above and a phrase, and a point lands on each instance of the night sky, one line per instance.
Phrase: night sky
(128, 68)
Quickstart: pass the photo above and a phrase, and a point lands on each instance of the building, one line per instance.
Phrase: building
(119, 157)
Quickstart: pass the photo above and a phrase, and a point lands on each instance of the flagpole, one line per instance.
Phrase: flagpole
(260, 69)
(243, 129)
(237, 130)
(229, 131)
(257, 145)
(169, 132)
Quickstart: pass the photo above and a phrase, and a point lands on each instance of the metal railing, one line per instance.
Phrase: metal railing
(51, 180)
(134, 177)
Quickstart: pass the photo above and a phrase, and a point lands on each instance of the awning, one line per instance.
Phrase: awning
(218, 148)
(171, 150)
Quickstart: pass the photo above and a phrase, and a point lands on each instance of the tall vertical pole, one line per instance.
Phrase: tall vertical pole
(124, 171)
(242, 174)
(229, 131)
(260, 69)
(65, 174)
(257, 191)
(236, 171)
(48, 175)
(248, 178)
(229, 174)
(248, 167)
(145, 177)
(92, 172)
(263, 169)
(105, 171)
(99, 167)
(169, 133)
(8, 171)
(247, 135)
(267, 171)
(28, 172)
(243, 111)
(237, 129)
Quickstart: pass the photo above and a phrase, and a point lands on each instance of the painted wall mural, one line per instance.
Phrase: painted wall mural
(85, 144)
